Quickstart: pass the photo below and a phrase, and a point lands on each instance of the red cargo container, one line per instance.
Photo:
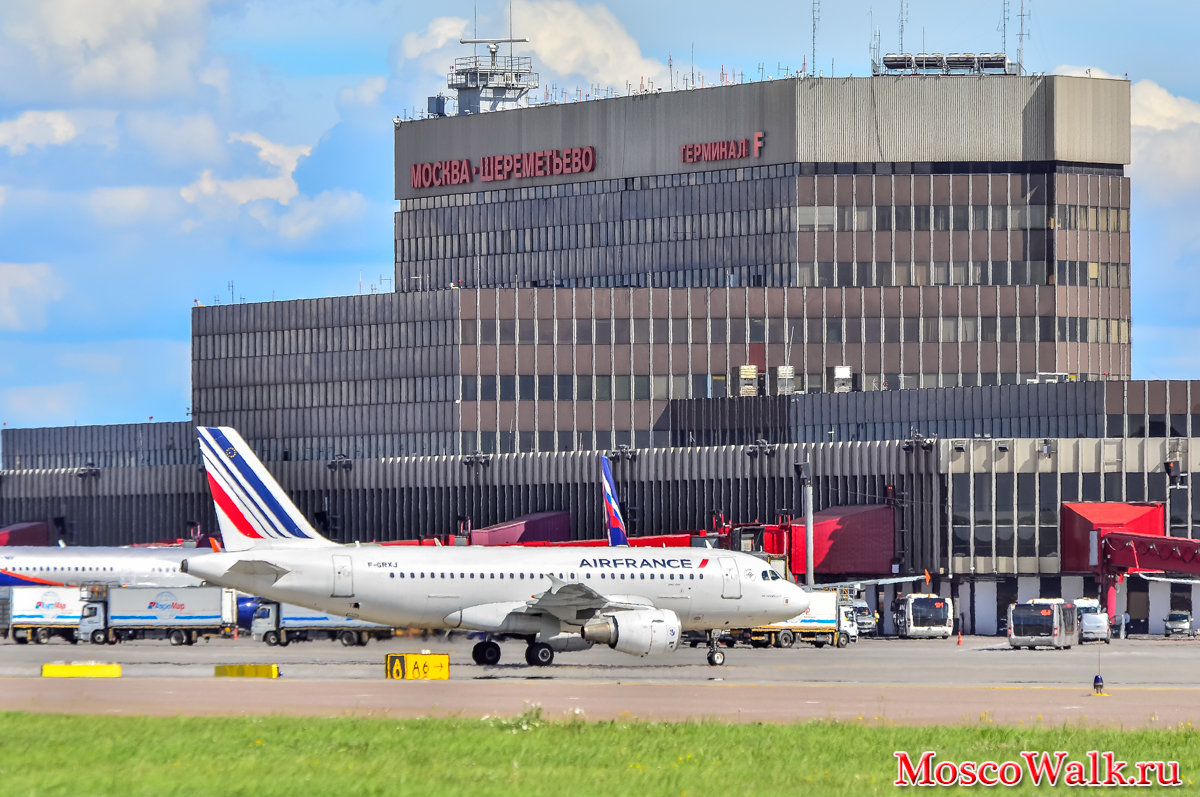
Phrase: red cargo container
(25, 534)
(850, 540)
(1080, 520)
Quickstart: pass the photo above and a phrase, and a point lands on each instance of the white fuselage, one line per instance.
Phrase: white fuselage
(148, 567)
(423, 587)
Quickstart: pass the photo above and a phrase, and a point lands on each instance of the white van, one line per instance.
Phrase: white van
(1093, 623)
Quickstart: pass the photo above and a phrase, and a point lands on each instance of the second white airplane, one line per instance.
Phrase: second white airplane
(635, 600)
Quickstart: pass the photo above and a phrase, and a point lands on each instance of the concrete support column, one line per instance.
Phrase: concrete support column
(1028, 588)
(1160, 605)
(985, 608)
(885, 611)
(1072, 587)
(963, 606)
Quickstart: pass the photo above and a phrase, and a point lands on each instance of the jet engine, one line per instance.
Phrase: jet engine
(644, 632)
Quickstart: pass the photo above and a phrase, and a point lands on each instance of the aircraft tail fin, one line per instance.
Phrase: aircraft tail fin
(252, 509)
(612, 509)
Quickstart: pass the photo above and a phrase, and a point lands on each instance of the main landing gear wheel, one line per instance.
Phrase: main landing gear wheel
(539, 654)
(487, 654)
(716, 656)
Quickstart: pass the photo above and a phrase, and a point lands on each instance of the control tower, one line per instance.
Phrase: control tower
(495, 83)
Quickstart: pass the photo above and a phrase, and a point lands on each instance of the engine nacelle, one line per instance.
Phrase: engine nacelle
(645, 632)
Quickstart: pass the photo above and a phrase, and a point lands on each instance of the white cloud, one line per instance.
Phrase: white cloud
(126, 205)
(573, 39)
(46, 403)
(45, 128)
(435, 36)
(3, 196)
(38, 129)
(280, 188)
(136, 48)
(25, 291)
(177, 139)
(364, 93)
(305, 217)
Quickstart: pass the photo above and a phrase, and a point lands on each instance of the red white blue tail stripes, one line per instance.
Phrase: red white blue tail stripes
(612, 509)
(251, 506)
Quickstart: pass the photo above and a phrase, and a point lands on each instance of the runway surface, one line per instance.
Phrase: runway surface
(1152, 683)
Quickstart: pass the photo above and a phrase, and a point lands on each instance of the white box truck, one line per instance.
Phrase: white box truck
(828, 620)
(39, 614)
(282, 624)
(180, 615)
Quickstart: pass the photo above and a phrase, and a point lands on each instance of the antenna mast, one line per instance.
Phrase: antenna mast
(1004, 27)
(1021, 41)
(903, 18)
(816, 21)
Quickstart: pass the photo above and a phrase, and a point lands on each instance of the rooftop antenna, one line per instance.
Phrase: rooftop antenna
(1004, 27)
(903, 18)
(693, 84)
(1021, 41)
(671, 70)
(816, 21)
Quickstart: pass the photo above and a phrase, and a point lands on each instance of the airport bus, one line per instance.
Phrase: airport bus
(922, 616)
(1046, 622)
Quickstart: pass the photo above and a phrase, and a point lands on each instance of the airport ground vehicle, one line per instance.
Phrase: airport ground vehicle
(39, 614)
(1045, 623)
(1177, 623)
(180, 615)
(919, 615)
(828, 620)
(1093, 623)
(282, 624)
(865, 617)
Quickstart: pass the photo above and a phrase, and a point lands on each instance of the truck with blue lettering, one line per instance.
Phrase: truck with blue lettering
(39, 614)
(282, 624)
(180, 615)
(828, 620)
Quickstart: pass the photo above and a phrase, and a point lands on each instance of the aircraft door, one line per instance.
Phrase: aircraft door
(343, 577)
(731, 580)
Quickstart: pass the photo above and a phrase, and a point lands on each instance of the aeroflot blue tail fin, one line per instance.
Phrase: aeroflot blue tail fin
(612, 510)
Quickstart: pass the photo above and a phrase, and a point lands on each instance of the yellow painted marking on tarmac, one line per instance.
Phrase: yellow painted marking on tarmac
(246, 671)
(81, 669)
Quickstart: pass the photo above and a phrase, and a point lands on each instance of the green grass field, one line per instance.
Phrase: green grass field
(47, 754)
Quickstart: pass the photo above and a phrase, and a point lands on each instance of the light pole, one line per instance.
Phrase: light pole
(804, 477)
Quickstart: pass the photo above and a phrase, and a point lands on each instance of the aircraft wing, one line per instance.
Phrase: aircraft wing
(258, 568)
(867, 582)
(577, 603)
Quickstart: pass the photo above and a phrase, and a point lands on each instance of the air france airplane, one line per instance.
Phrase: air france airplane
(635, 600)
(32, 566)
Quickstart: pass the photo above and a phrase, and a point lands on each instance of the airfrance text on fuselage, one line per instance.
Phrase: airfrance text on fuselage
(672, 564)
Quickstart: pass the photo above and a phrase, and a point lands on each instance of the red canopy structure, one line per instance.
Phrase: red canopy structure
(1112, 539)
(25, 534)
(859, 540)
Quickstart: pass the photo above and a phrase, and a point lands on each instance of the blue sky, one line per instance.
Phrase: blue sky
(153, 152)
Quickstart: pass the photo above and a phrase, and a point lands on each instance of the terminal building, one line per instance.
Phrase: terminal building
(862, 273)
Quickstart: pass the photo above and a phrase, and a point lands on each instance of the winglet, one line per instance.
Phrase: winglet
(612, 510)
